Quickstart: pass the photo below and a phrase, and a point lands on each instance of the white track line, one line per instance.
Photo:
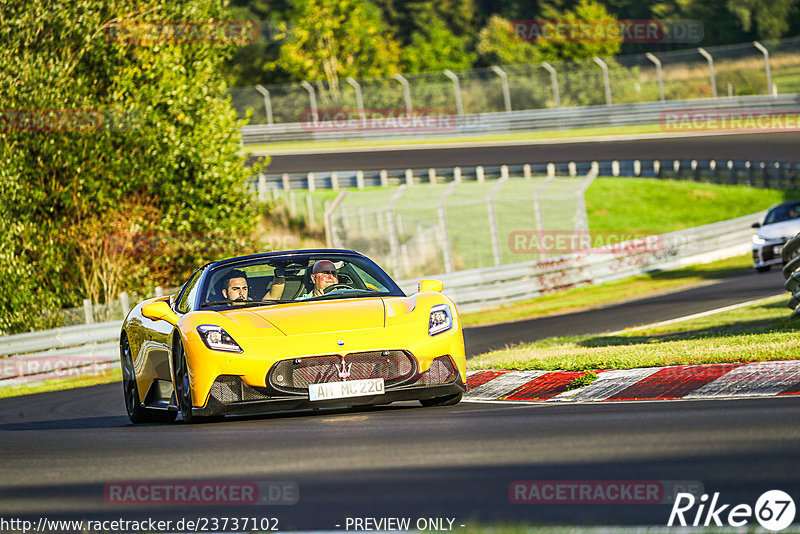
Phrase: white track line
(696, 315)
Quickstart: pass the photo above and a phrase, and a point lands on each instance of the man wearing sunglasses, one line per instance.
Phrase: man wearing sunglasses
(323, 275)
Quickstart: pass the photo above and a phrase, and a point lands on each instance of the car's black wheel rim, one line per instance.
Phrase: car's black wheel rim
(128, 377)
(184, 392)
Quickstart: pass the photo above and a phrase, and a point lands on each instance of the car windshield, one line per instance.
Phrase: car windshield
(276, 280)
(785, 212)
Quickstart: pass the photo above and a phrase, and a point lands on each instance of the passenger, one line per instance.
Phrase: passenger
(323, 275)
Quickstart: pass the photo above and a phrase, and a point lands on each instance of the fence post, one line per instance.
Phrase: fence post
(551, 170)
(456, 90)
(432, 176)
(573, 170)
(310, 212)
(731, 173)
(506, 93)
(764, 175)
(504, 172)
(88, 311)
(676, 166)
(287, 184)
(695, 171)
(749, 167)
(335, 181)
(714, 171)
(553, 82)
(606, 81)
(409, 177)
(312, 98)
(124, 303)
(312, 185)
(447, 250)
(262, 187)
(764, 51)
(526, 171)
(615, 168)
(267, 102)
(778, 175)
(457, 175)
(384, 178)
(479, 174)
(710, 70)
(657, 168)
(359, 99)
(406, 94)
(360, 179)
(659, 75)
(292, 205)
(637, 168)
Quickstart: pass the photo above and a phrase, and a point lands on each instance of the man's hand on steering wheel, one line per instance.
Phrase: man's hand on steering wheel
(335, 287)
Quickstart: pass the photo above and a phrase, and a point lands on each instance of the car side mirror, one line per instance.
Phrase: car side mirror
(159, 310)
(431, 285)
(756, 225)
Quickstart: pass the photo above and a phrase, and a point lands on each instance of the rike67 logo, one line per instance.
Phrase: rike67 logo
(774, 510)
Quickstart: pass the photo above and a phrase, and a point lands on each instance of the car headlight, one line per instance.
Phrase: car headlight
(216, 338)
(758, 240)
(440, 320)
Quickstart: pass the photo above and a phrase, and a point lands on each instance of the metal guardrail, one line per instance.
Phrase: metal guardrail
(537, 119)
(766, 174)
(74, 350)
(790, 254)
(478, 289)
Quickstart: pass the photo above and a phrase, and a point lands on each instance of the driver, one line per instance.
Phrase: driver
(323, 275)
(234, 285)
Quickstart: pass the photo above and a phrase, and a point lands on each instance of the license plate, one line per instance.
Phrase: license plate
(343, 390)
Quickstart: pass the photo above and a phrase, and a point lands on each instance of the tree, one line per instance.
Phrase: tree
(498, 45)
(570, 48)
(436, 49)
(332, 39)
(98, 125)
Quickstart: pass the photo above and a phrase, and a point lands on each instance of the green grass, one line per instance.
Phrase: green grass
(114, 375)
(759, 332)
(588, 297)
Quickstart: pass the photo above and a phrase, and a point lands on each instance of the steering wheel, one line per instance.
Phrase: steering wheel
(334, 287)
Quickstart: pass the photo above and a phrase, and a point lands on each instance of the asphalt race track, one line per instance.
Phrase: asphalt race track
(61, 451)
(742, 288)
(755, 146)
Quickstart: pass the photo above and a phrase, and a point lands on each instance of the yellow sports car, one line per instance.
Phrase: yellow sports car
(289, 330)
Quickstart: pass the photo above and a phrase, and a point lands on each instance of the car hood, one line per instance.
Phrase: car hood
(781, 230)
(319, 317)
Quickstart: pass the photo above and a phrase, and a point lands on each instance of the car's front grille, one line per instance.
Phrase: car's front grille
(294, 376)
(441, 371)
(230, 388)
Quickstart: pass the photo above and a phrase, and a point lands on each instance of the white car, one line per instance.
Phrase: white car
(781, 223)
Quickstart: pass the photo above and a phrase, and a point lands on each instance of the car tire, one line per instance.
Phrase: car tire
(136, 412)
(450, 400)
(763, 269)
(183, 390)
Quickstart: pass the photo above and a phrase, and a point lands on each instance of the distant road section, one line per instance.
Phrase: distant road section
(756, 146)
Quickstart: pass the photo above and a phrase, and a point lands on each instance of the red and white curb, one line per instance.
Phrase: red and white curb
(758, 379)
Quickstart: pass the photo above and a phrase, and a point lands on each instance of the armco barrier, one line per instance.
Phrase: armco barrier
(478, 289)
(790, 254)
(538, 119)
(47, 353)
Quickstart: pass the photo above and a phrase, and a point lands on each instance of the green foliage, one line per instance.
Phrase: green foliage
(330, 40)
(497, 45)
(558, 49)
(434, 49)
(156, 155)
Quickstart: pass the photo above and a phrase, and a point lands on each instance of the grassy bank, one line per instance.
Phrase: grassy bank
(759, 332)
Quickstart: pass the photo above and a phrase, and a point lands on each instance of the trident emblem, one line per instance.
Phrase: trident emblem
(344, 371)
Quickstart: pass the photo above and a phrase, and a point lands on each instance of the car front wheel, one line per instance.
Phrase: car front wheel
(136, 412)
(183, 389)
